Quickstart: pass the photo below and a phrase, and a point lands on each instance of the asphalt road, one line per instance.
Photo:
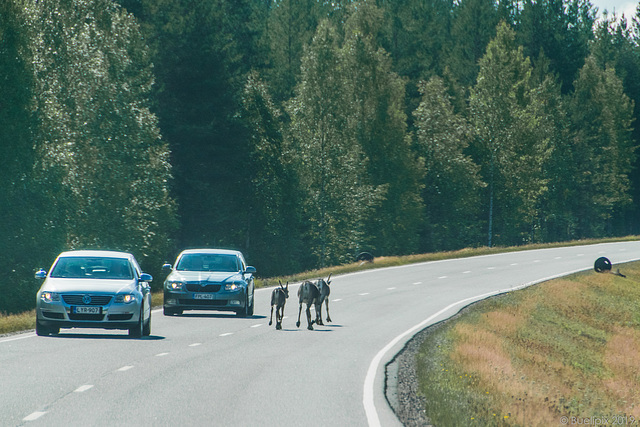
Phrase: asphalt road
(210, 368)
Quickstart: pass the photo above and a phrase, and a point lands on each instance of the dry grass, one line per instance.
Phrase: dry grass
(17, 322)
(569, 347)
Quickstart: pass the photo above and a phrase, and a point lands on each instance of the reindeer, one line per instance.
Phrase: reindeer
(324, 290)
(279, 298)
(308, 294)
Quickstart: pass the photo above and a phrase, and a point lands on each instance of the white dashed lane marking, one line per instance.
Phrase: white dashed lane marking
(417, 283)
(195, 344)
(33, 416)
(257, 326)
(466, 272)
(161, 354)
(125, 368)
(335, 300)
(443, 277)
(83, 388)
(226, 334)
(363, 294)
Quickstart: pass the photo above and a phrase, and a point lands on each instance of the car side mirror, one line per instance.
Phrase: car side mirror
(166, 267)
(144, 277)
(250, 270)
(41, 274)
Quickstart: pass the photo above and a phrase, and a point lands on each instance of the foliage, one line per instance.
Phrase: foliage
(303, 132)
(452, 182)
(513, 144)
(337, 199)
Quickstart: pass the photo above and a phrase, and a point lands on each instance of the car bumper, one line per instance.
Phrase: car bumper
(61, 315)
(221, 301)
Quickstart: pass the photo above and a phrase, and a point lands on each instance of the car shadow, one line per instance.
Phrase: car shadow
(219, 316)
(106, 337)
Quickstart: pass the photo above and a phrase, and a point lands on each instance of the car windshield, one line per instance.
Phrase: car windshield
(208, 262)
(92, 268)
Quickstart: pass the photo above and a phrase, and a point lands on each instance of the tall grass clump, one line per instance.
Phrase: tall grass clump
(565, 348)
(17, 322)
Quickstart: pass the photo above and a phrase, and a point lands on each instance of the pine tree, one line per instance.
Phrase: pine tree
(273, 215)
(337, 199)
(603, 150)
(452, 183)
(514, 141)
(379, 123)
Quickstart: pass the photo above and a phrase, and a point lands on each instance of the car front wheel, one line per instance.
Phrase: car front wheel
(250, 311)
(41, 330)
(146, 329)
(138, 330)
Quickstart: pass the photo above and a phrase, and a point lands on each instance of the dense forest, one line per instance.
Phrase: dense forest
(303, 132)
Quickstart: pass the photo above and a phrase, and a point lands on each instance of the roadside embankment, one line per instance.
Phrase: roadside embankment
(561, 352)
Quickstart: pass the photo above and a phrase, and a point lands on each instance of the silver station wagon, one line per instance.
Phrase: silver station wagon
(94, 289)
(209, 279)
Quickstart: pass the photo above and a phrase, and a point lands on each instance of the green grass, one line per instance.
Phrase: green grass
(569, 347)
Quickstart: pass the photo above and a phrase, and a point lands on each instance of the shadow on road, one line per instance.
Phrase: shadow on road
(105, 336)
(218, 316)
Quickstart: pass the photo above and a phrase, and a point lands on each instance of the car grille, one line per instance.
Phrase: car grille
(73, 299)
(197, 287)
(97, 317)
(206, 302)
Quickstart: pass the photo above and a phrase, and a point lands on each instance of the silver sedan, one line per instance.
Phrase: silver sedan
(94, 289)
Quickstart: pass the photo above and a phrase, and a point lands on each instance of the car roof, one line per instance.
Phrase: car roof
(95, 253)
(210, 251)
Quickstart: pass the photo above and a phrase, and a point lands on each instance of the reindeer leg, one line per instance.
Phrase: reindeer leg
(271, 317)
(279, 316)
(299, 311)
(309, 321)
(319, 314)
(327, 304)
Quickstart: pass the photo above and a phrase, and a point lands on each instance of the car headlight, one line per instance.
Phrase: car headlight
(174, 286)
(232, 286)
(125, 298)
(50, 296)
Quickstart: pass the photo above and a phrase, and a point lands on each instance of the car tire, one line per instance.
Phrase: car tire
(250, 312)
(244, 311)
(168, 311)
(138, 330)
(146, 328)
(41, 331)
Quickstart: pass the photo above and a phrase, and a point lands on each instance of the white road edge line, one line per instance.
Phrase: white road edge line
(21, 337)
(368, 394)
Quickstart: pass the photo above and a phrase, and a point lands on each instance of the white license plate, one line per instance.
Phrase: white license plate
(203, 296)
(87, 310)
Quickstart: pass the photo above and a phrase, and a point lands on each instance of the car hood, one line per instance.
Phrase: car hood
(88, 285)
(205, 276)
